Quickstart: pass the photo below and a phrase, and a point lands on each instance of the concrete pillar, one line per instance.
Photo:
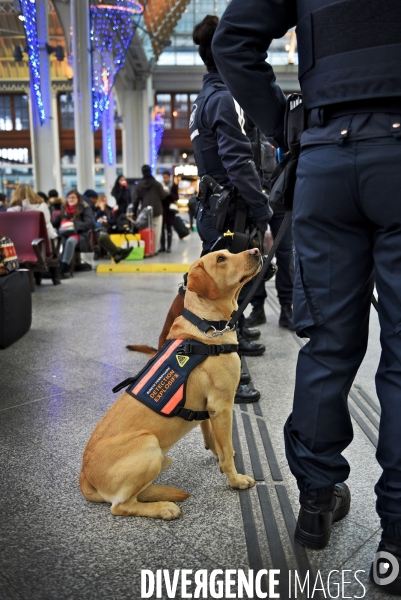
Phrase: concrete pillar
(56, 146)
(43, 140)
(84, 145)
(136, 115)
(149, 99)
(109, 147)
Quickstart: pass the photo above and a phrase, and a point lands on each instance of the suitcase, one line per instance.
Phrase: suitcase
(148, 234)
(180, 227)
(15, 307)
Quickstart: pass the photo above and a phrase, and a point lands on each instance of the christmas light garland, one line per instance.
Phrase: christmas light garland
(156, 130)
(112, 27)
(28, 10)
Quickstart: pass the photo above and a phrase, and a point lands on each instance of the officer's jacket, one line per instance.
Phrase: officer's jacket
(221, 147)
(348, 50)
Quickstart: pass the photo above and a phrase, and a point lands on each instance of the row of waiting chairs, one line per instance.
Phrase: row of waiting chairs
(35, 251)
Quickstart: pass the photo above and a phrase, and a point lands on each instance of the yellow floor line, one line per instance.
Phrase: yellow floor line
(143, 268)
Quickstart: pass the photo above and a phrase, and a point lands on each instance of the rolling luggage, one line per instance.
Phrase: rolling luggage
(148, 234)
(15, 307)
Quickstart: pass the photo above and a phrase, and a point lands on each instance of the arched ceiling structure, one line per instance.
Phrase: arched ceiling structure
(159, 19)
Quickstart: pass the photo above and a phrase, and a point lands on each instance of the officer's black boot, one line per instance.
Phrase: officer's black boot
(317, 514)
(249, 348)
(257, 316)
(383, 571)
(246, 394)
(245, 378)
(285, 319)
(250, 334)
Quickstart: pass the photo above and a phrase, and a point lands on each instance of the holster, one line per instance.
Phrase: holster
(217, 198)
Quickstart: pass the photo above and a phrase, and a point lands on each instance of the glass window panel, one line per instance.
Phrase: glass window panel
(180, 113)
(163, 101)
(66, 111)
(21, 112)
(6, 122)
(182, 50)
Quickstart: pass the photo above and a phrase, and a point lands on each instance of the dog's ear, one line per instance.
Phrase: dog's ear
(200, 282)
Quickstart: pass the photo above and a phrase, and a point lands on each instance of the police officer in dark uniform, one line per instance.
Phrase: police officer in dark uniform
(265, 161)
(347, 231)
(223, 152)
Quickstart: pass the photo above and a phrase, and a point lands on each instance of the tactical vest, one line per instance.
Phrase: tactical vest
(203, 139)
(161, 385)
(348, 50)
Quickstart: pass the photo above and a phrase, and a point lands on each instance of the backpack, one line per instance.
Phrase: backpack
(8, 257)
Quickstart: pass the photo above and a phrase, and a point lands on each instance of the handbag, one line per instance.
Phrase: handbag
(8, 257)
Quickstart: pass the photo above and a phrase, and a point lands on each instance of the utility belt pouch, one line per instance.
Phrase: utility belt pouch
(284, 175)
(294, 123)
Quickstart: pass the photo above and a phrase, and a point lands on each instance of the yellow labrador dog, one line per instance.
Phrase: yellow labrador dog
(128, 447)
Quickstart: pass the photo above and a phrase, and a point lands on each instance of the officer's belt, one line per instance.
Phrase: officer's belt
(370, 105)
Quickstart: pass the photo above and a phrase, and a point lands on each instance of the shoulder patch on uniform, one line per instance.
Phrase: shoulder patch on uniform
(182, 360)
(193, 113)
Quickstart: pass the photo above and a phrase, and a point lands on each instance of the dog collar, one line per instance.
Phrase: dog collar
(217, 327)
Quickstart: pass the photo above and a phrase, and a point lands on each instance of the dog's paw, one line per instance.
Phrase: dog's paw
(242, 482)
(169, 511)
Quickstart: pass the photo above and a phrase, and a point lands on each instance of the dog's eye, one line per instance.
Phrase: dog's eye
(221, 259)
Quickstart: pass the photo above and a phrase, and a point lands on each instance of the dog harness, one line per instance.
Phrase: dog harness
(161, 385)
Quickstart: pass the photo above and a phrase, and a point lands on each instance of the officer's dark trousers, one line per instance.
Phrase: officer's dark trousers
(285, 266)
(347, 231)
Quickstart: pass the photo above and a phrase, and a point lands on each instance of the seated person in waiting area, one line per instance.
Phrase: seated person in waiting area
(25, 199)
(106, 222)
(104, 215)
(3, 202)
(74, 224)
(55, 202)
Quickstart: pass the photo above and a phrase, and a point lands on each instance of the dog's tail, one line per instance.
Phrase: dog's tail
(149, 350)
(155, 493)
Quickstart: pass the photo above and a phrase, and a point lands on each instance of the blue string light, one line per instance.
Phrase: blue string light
(110, 154)
(156, 130)
(112, 27)
(28, 9)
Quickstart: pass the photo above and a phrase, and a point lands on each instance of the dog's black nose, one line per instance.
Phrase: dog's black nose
(254, 251)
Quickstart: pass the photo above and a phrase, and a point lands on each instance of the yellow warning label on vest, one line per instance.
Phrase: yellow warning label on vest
(182, 360)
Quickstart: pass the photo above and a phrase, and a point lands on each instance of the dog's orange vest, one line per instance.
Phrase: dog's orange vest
(161, 385)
